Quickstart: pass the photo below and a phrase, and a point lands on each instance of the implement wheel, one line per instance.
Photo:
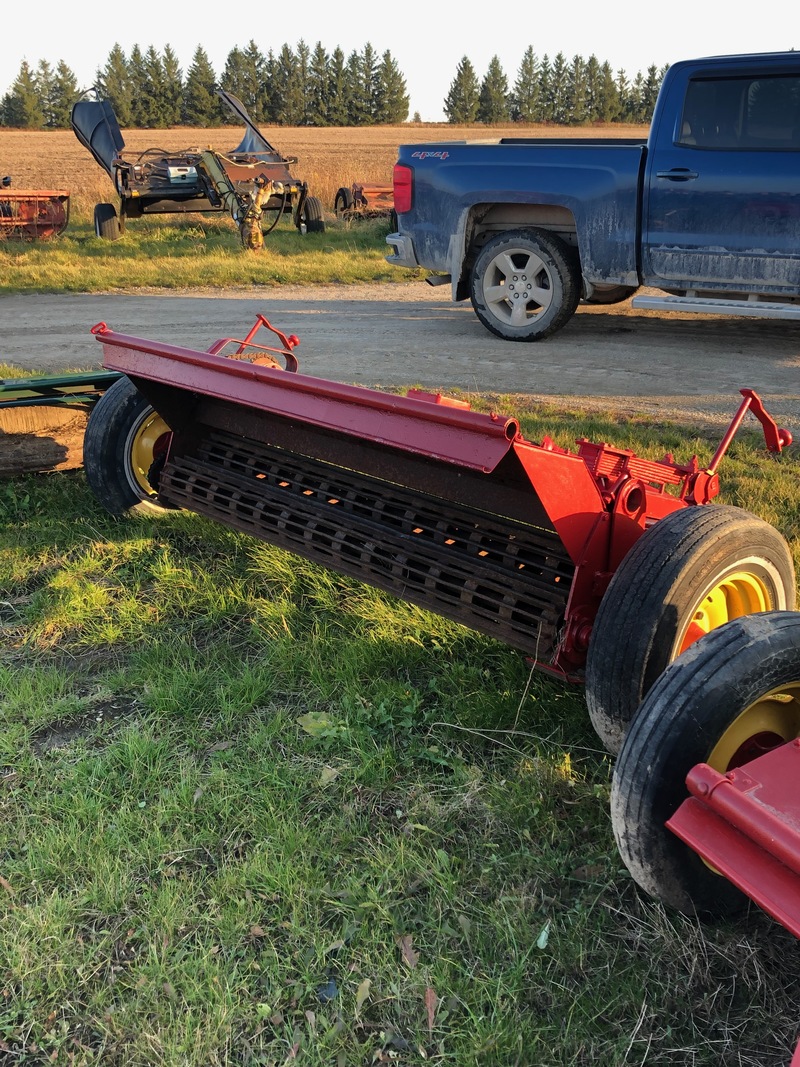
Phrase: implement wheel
(525, 285)
(343, 203)
(731, 697)
(124, 438)
(312, 215)
(106, 222)
(693, 571)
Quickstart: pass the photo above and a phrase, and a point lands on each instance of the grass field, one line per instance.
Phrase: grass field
(253, 813)
(169, 251)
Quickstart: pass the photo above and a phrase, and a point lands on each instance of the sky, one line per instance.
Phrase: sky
(426, 39)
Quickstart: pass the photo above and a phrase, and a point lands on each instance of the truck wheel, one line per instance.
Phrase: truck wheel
(693, 571)
(525, 285)
(106, 222)
(343, 203)
(124, 438)
(611, 294)
(312, 215)
(731, 697)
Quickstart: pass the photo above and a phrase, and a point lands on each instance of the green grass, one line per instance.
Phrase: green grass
(193, 253)
(254, 813)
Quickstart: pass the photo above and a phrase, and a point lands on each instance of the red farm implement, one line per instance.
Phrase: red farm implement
(560, 554)
(706, 796)
(31, 215)
(361, 201)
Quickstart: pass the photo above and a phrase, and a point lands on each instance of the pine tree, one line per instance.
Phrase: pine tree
(22, 105)
(63, 94)
(318, 104)
(173, 87)
(559, 103)
(252, 87)
(154, 104)
(525, 94)
(608, 104)
(623, 95)
(461, 102)
(303, 77)
(139, 89)
(361, 82)
(288, 90)
(338, 89)
(650, 90)
(234, 78)
(44, 87)
(390, 101)
(200, 101)
(593, 87)
(576, 89)
(114, 85)
(493, 96)
(545, 106)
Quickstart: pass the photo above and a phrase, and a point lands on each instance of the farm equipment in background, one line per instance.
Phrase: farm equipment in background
(32, 214)
(559, 554)
(43, 420)
(365, 202)
(705, 802)
(252, 182)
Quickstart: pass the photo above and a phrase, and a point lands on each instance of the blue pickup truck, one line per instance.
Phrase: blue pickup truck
(707, 209)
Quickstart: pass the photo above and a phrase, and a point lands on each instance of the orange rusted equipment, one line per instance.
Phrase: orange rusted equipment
(29, 214)
(364, 201)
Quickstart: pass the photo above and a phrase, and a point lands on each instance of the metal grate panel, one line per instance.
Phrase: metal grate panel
(495, 575)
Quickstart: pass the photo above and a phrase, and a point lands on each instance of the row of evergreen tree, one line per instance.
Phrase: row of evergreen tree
(565, 92)
(305, 87)
(293, 87)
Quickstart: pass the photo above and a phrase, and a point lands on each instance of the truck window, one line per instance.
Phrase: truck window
(746, 112)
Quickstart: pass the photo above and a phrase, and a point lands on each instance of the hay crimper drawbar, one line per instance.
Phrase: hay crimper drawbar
(599, 565)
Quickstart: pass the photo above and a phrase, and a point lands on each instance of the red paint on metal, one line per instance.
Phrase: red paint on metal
(746, 824)
(33, 213)
(465, 438)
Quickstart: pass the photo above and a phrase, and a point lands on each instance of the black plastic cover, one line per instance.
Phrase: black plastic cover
(97, 129)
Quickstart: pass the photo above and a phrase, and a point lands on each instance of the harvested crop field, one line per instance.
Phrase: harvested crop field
(328, 157)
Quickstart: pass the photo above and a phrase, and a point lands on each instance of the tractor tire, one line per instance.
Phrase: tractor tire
(696, 569)
(730, 697)
(611, 294)
(106, 222)
(343, 203)
(124, 438)
(525, 285)
(312, 215)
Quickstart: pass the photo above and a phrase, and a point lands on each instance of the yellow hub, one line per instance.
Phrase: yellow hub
(737, 594)
(142, 448)
(768, 722)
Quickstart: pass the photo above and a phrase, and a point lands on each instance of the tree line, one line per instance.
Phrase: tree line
(565, 92)
(291, 87)
(312, 87)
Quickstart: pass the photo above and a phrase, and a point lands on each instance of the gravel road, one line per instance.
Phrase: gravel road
(676, 365)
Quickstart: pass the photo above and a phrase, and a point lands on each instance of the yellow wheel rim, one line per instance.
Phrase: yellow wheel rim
(144, 441)
(768, 722)
(739, 593)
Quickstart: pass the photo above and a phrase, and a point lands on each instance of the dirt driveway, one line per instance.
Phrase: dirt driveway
(675, 365)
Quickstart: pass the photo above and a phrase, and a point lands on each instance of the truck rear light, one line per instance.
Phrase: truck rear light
(403, 188)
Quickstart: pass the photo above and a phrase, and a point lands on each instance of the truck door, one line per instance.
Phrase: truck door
(721, 206)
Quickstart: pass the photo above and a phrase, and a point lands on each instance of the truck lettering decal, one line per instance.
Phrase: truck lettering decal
(430, 155)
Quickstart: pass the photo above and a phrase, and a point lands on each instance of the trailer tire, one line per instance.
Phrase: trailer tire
(343, 203)
(312, 215)
(715, 704)
(525, 284)
(106, 222)
(124, 438)
(696, 569)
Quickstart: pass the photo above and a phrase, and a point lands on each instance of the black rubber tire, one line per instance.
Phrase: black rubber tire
(614, 294)
(687, 711)
(106, 222)
(312, 215)
(558, 275)
(655, 593)
(342, 202)
(113, 423)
